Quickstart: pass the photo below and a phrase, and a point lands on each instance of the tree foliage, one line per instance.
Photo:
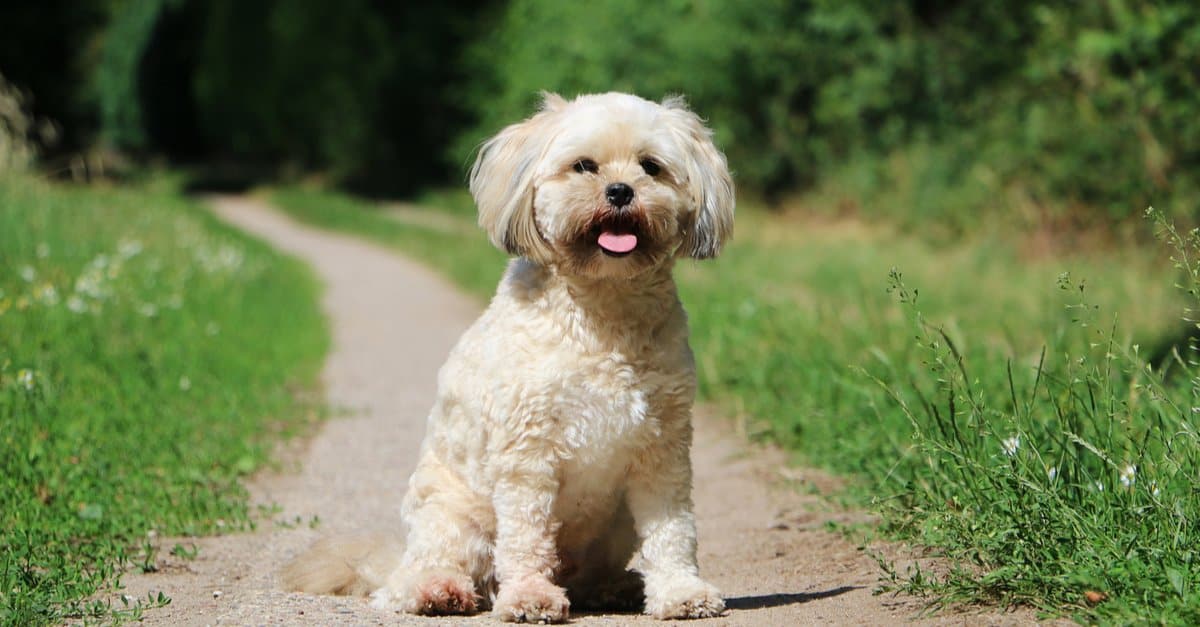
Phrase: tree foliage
(1087, 107)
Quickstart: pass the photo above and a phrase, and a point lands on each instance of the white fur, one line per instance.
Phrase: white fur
(559, 442)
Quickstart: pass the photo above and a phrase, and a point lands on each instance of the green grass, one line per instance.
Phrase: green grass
(149, 359)
(461, 252)
(993, 403)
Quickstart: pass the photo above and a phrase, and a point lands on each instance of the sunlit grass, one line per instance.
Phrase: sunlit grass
(149, 358)
(462, 254)
(992, 403)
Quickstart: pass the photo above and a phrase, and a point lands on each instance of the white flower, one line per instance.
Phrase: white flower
(1154, 491)
(28, 274)
(48, 295)
(185, 383)
(43, 250)
(1010, 445)
(25, 379)
(212, 328)
(1052, 473)
(1099, 486)
(1129, 475)
(76, 304)
(148, 310)
(129, 248)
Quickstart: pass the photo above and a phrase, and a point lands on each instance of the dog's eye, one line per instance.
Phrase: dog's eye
(650, 166)
(585, 165)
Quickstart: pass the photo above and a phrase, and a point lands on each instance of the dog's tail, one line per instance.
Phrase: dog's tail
(349, 565)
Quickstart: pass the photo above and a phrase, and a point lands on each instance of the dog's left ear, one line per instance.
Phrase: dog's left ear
(502, 181)
(708, 181)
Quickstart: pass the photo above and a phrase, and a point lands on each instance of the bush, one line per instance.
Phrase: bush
(1076, 105)
(17, 131)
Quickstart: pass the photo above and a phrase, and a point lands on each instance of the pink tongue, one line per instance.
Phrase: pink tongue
(617, 242)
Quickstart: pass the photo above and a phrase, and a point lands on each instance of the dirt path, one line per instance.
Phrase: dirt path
(393, 322)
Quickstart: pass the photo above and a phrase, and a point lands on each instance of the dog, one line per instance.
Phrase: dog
(555, 468)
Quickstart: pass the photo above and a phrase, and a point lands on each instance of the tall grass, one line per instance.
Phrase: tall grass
(1067, 484)
(149, 359)
(991, 402)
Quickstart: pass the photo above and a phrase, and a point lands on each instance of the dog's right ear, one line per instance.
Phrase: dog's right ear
(502, 182)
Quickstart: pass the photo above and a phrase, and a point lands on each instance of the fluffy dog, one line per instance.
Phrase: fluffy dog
(557, 453)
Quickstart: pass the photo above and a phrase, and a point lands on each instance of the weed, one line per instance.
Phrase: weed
(1068, 485)
(189, 552)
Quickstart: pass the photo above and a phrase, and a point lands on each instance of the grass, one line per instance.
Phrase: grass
(994, 404)
(149, 359)
(462, 254)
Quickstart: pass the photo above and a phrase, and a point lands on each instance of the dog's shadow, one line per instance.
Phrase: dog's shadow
(783, 598)
(737, 603)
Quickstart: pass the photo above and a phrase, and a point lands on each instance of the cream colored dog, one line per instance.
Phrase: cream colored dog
(559, 443)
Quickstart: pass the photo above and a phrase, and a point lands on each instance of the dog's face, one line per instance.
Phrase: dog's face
(605, 186)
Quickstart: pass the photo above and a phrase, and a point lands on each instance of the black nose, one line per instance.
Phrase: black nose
(619, 194)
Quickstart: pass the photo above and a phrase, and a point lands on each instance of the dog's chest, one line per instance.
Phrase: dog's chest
(608, 414)
(603, 408)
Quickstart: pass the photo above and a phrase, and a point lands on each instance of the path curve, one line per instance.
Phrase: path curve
(393, 322)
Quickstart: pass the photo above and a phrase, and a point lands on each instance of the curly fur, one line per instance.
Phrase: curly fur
(557, 450)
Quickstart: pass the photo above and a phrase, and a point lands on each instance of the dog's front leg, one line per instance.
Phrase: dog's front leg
(526, 555)
(660, 498)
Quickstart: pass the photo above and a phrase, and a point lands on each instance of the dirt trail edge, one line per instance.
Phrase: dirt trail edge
(393, 322)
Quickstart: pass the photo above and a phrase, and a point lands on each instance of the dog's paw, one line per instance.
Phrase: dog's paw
(689, 598)
(432, 593)
(531, 600)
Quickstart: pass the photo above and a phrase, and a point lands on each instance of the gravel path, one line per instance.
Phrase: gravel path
(393, 323)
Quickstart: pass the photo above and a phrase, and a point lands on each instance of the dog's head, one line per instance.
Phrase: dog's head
(605, 185)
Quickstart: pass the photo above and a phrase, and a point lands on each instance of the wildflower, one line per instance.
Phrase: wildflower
(129, 248)
(43, 250)
(48, 294)
(28, 274)
(1128, 475)
(25, 379)
(1099, 485)
(212, 328)
(148, 310)
(1052, 473)
(1154, 491)
(1011, 445)
(185, 383)
(76, 304)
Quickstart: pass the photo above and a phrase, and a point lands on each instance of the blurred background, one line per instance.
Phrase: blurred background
(994, 157)
(940, 113)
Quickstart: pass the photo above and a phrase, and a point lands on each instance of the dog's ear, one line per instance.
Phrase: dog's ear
(552, 101)
(708, 181)
(502, 182)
